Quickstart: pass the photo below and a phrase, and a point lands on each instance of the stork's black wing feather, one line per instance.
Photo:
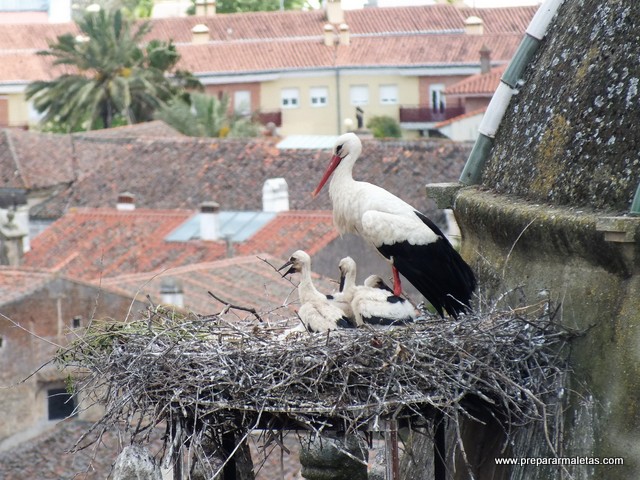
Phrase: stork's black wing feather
(436, 269)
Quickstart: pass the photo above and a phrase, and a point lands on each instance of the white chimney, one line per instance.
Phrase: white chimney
(344, 34)
(329, 35)
(205, 8)
(126, 201)
(171, 292)
(275, 195)
(209, 221)
(199, 34)
(334, 12)
(474, 26)
(59, 11)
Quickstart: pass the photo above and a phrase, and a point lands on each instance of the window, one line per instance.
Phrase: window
(388, 94)
(290, 98)
(1, 341)
(359, 94)
(76, 322)
(319, 96)
(242, 102)
(61, 403)
(436, 92)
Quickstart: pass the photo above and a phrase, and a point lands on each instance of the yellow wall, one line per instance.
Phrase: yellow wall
(18, 110)
(311, 120)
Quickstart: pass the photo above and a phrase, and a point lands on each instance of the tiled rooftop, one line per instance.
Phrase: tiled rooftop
(455, 119)
(173, 173)
(481, 84)
(33, 160)
(93, 244)
(15, 283)
(264, 41)
(248, 281)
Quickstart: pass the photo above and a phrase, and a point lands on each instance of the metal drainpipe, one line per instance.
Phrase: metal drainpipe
(635, 205)
(472, 172)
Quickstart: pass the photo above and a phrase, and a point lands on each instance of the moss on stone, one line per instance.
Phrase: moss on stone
(570, 135)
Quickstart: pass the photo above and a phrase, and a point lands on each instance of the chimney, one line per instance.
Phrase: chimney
(205, 8)
(275, 195)
(474, 26)
(329, 35)
(334, 12)
(59, 11)
(11, 242)
(171, 292)
(126, 202)
(209, 221)
(485, 59)
(344, 34)
(199, 34)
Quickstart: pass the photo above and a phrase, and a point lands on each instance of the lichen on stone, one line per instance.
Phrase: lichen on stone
(570, 136)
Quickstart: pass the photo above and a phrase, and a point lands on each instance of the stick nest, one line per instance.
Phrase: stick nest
(205, 374)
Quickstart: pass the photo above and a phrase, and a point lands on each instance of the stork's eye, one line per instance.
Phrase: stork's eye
(338, 149)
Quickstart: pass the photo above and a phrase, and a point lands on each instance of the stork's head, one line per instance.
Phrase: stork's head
(346, 266)
(347, 145)
(296, 262)
(375, 281)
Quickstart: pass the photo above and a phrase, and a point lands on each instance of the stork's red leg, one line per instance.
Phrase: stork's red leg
(397, 286)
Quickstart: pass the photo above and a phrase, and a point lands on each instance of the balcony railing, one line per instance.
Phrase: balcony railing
(427, 114)
(275, 116)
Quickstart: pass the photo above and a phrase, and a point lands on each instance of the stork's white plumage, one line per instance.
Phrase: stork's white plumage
(414, 244)
(375, 304)
(342, 298)
(316, 312)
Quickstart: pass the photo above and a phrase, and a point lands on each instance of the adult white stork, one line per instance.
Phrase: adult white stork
(375, 304)
(317, 313)
(414, 244)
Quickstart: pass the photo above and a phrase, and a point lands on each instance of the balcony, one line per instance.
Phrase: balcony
(274, 116)
(428, 114)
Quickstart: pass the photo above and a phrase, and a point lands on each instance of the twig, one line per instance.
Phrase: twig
(236, 307)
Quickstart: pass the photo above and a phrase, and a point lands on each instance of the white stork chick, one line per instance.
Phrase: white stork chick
(342, 298)
(317, 313)
(414, 245)
(375, 304)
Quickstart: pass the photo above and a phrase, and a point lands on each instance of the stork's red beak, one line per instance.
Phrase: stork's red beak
(335, 161)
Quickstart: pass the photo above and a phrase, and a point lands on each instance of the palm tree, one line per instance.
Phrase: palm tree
(114, 77)
(203, 115)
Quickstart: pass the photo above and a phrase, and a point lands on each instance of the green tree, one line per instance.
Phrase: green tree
(203, 115)
(114, 80)
(131, 8)
(235, 6)
(384, 127)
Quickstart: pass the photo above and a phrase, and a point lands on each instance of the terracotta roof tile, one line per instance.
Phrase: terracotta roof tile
(90, 243)
(247, 281)
(473, 113)
(483, 84)
(266, 41)
(290, 231)
(33, 160)
(404, 50)
(15, 283)
(184, 172)
(98, 243)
